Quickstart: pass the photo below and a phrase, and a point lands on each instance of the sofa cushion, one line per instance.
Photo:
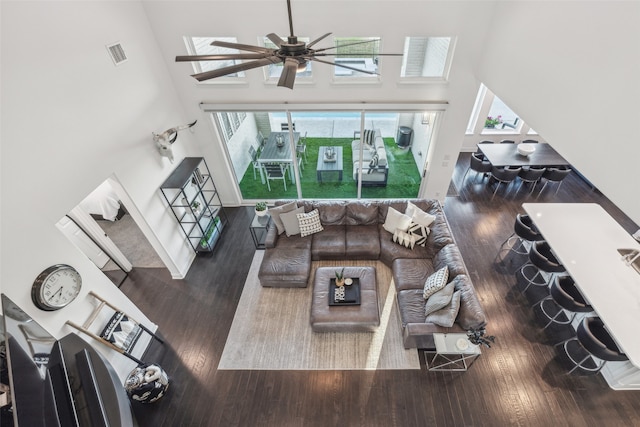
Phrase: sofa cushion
(446, 316)
(471, 314)
(285, 267)
(362, 213)
(332, 212)
(362, 242)
(390, 251)
(411, 273)
(440, 299)
(435, 282)
(278, 210)
(411, 306)
(330, 244)
(450, 256)
(290, 221)
(396, 221)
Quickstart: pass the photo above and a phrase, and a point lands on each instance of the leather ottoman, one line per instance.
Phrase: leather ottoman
(349, 318)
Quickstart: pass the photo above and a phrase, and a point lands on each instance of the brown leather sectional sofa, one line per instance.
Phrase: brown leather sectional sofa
(353, 230)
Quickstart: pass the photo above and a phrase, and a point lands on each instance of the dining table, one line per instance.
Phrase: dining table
(273, 152)
(586, 240)
(507, 155)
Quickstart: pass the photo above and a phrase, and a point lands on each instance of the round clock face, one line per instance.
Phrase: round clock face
(56, 287)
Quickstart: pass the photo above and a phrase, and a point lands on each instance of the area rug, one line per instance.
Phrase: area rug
(271, 330)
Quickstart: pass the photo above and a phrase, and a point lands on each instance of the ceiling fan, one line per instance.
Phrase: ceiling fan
(293, 54)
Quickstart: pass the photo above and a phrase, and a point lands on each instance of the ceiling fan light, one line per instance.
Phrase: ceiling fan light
(302, 66)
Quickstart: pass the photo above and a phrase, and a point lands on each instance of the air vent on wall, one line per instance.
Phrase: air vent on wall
(117, 53)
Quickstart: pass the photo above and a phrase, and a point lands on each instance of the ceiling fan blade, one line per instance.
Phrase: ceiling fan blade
(275, 39)
(240, 46)
(346, 45)
(289, 71)
(343, 66)
(236, 68)
(318, 39)
(359, 54)
(188, 58)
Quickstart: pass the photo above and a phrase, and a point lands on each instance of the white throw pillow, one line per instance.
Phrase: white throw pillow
(290, 221)
(418, 215)
(396, 221)
(309, 223)
(436, 281)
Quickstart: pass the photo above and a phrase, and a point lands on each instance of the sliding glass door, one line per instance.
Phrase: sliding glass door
(326, 154)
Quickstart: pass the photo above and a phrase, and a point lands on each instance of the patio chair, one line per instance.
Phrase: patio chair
(275, 171)
(260, 139)
(301, 148)
(285, 127)
(254, 160)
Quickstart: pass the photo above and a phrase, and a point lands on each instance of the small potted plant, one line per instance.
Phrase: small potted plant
(261, 208)
(492, 122)
(340, 277)
(479, 337)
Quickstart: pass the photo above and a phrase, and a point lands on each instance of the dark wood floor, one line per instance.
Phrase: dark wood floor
(520, 381)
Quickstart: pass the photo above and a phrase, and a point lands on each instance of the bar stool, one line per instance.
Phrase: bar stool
(543, 260)
(523, 231)
(565, 295)
(594, 338)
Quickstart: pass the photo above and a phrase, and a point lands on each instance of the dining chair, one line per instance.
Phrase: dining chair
(486, 141)
(555, 175)
(505, 175)
(529, 141)
(530, 175)
(285, 127)
(597, 342)
(541, 259)
(260, 139)
(254, 160)
(566, 299)
(478, 165)
(524, 234)
(507, 141)
(275, 171)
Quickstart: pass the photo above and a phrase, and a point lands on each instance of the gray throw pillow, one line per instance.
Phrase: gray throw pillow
(290, 221)
(440, 299)
(277, 211)
(446, 316)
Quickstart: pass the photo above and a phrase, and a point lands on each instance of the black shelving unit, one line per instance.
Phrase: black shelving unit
(194, 200)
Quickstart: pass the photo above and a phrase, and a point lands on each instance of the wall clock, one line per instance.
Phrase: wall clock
(56, 287)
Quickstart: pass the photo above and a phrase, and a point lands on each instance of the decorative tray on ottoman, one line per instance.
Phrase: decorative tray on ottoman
(351, 293)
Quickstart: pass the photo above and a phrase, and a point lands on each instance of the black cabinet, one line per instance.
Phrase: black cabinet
(194, 200)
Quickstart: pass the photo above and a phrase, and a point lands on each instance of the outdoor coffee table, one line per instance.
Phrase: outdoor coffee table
(349, 317)
(332, 165)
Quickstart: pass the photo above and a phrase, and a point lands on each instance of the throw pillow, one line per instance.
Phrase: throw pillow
(419, 232)
(418, 215)
(373, 163)
(290, 221)
(446, 316)
(369, 136)
(440, 299)
(278, 210)
(396, 221)
(403, 238)
(309, 223)
(436, 281)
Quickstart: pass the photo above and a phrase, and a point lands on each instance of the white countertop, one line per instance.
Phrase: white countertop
(586, 239)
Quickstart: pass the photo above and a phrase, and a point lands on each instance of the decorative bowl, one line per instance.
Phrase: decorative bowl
(348, 282)
(526, 149)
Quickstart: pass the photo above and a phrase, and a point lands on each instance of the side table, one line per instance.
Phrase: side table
(259, 226)
(449, 355)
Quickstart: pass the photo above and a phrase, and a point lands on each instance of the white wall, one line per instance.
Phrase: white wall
(71, 119)
(571, 69)
(391, 20)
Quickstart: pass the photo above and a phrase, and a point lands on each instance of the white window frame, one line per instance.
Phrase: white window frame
(357, 79)
(428, 79)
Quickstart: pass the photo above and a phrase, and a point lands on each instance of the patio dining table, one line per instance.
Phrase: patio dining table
(271, 153)
(507, 155)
